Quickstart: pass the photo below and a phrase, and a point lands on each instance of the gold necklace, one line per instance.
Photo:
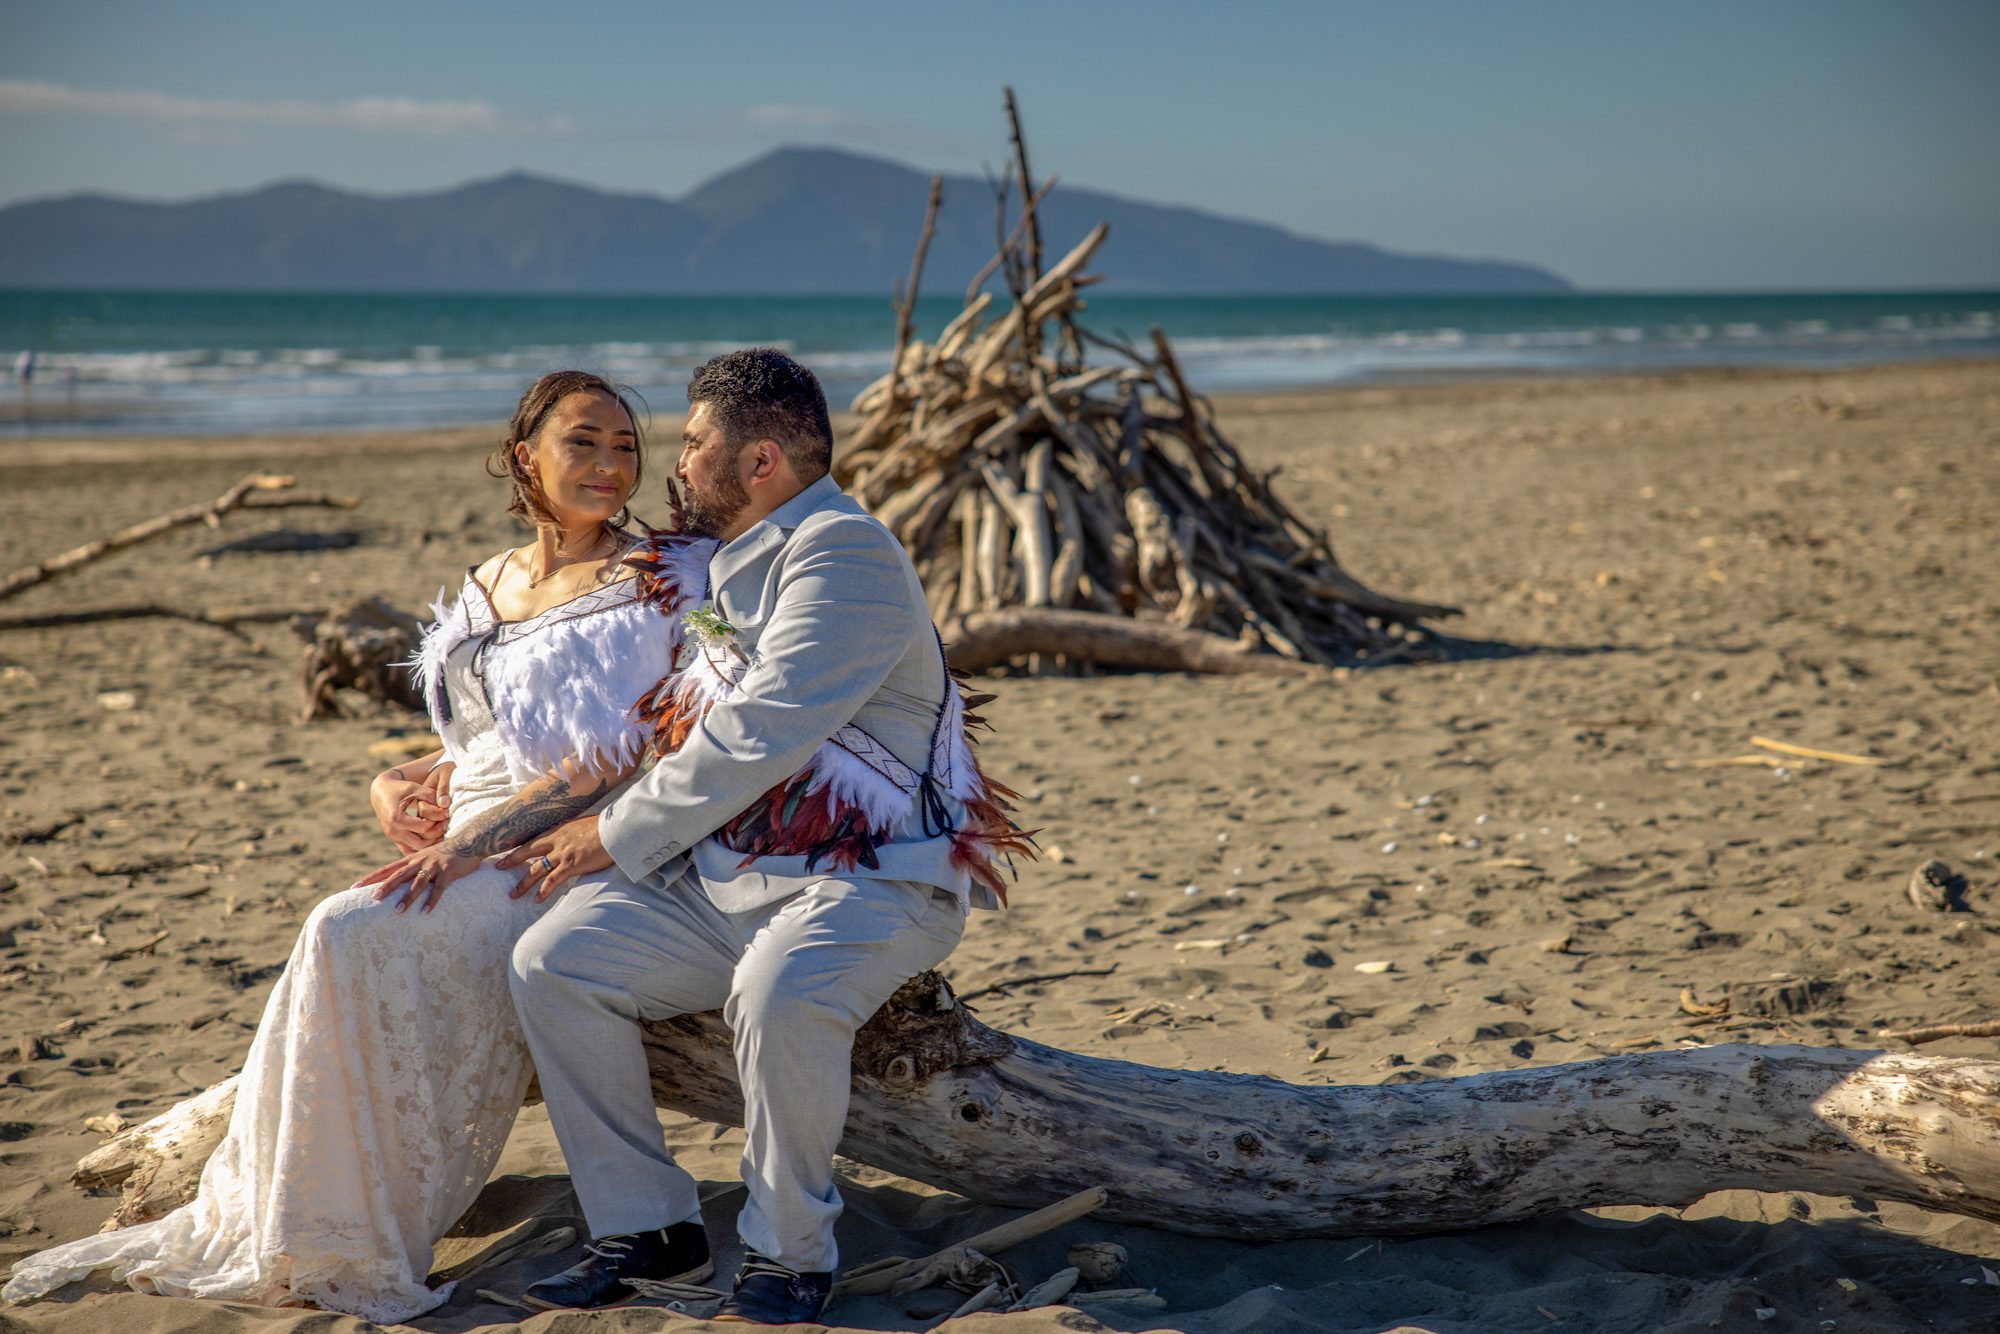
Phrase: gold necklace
(535, 581)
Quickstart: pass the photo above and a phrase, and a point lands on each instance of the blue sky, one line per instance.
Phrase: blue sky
(1773, 144)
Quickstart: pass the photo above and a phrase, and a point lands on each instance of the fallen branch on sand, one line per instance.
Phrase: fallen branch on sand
(1809, 753)
(222, 618)
(942, 1098)
(244, 495)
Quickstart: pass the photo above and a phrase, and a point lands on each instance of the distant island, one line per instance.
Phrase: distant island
(795, 221)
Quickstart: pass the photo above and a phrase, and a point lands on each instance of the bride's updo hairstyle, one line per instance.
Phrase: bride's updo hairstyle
(540, 400)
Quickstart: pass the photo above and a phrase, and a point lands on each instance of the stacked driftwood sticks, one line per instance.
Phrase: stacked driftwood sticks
(1055, 506)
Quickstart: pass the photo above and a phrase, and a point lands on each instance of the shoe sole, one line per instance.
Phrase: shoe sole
(706, 1269)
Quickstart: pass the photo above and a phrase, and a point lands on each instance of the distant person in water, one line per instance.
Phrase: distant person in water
(24, 372)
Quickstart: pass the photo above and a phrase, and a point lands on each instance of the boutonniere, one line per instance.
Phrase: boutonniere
(706, 626)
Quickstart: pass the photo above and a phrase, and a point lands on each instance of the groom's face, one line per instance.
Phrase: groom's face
(714, 492)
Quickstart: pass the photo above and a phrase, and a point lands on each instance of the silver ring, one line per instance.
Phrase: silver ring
(547, 865)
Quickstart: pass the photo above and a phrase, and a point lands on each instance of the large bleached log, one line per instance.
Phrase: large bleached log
(942, 1098)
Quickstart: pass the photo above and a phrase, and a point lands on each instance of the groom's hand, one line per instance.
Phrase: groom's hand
(557, 859)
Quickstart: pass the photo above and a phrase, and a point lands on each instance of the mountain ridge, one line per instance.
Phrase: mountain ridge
(793, 221)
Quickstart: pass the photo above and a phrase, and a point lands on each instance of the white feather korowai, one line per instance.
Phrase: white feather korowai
(562, 684)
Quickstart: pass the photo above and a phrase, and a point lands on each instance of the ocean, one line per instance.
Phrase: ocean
(198, 363)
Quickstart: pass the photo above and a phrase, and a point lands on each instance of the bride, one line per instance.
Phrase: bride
(388, 1068)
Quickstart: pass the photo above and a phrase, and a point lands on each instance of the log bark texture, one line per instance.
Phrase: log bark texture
(942, 1098)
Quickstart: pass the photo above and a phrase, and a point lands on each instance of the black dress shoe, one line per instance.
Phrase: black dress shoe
(767, 1293)
(677, 1254)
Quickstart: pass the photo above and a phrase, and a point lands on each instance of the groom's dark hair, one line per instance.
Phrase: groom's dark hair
(759, 393)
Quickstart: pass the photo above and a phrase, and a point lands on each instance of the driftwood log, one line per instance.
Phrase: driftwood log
(221, 617)
(364, 645)
(993, 638)
(942, 1098)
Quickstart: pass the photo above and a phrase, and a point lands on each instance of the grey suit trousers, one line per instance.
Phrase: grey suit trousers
(795, 979)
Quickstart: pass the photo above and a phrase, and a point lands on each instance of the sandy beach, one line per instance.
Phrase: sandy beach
(1654, 569)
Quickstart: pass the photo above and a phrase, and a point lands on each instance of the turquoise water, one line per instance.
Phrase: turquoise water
(201, 362)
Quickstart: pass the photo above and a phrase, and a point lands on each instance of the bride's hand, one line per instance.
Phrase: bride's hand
(412, 812)
(426, 873)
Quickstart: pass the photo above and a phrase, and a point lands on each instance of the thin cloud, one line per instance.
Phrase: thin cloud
(375, 115)
(779, 120)
(790, 115)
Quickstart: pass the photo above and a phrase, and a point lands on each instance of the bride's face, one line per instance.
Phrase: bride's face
(586, 458)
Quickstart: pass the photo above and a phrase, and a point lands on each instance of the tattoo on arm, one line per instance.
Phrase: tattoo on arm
(535, 809)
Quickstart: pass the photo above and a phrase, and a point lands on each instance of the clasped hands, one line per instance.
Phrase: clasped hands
(549, 863)
(412, 811)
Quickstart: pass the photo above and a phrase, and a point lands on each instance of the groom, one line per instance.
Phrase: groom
(824, 619)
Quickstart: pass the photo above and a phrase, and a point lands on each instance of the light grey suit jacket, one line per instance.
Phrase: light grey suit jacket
(827, 605)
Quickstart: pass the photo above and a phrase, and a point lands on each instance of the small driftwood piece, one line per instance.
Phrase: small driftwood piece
(1018, 476)
(1810, 753)
(942, 1098)
(1935, 887)
(158, 1163)
(1100, 1263)
(244, 495)
(901, 1276)
(360, 646)
(1049, 1291)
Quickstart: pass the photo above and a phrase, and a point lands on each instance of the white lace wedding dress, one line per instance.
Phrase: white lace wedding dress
(389, 1066)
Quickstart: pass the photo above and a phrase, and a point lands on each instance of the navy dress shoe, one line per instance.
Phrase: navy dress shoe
(677, 1254)
(767, 1293)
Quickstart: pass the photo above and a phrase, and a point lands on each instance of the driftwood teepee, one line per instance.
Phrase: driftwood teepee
(1096, 510)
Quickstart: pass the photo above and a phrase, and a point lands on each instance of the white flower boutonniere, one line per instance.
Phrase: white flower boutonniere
(706, 627)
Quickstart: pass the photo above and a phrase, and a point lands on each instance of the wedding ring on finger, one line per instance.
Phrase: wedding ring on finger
(413, 811)
(548, 867)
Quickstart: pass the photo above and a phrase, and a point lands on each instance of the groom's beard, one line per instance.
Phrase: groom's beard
(708, 511)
